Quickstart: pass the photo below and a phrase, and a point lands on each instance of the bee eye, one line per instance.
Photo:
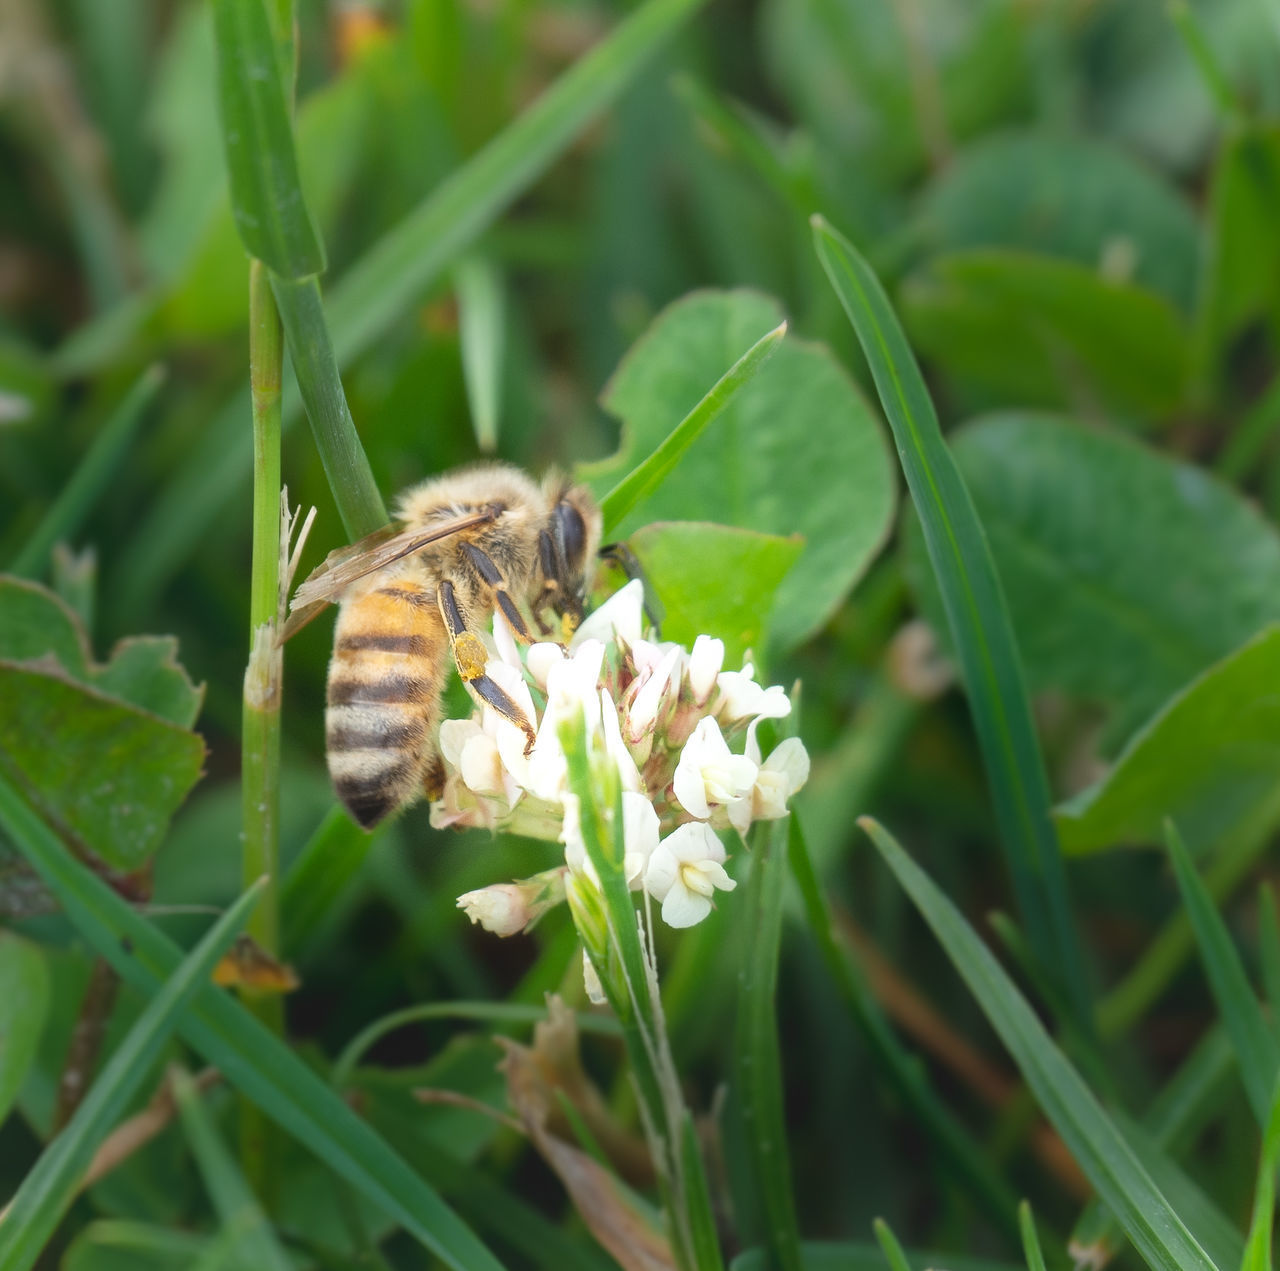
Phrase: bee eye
(572, 532)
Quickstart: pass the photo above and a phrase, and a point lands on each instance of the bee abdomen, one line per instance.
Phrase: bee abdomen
(383, 699)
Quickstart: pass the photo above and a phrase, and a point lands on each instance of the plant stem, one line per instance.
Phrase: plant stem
(345, 463)
(260, 738)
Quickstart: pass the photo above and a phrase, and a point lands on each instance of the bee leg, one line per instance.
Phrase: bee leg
(496, 585)
(470, 655)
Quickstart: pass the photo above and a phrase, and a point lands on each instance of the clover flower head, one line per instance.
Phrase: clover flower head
(665, 725)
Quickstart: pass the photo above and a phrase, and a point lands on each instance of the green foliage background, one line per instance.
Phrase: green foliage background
(1072, 206)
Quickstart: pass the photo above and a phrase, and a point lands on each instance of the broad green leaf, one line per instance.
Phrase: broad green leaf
(24, 1003)
(257, 133)
(1256, 1047)
(1107, 1159)
(49, 1188)
(714, 579)
(1046, 332)
(977, 616)
(35, 624)
(145, 670)
(380, 288)
(1208, 760)
(105, 772)
(1127, 572)
(797, 451)
(1068, 197)
(249, 1057)
(235, 1204)
(757, 1073)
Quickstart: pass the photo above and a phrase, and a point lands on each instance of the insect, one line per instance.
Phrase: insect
(482, 539)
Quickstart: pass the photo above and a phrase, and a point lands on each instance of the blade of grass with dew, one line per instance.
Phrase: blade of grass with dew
(757, 1062)
(383, 284)
(1257, 1050)
(92, 476)
(1257, 1251)
(248, 1056)
(1108, 1161)
(978, 617)
(643, 479)
(257, 135)
(234, 1203)
(969, 1163)
(482, 334)
(47, 1191)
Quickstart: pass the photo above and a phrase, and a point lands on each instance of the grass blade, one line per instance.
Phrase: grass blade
(345, 463)
(249, 1057)
(1030, 1240)
(257, 133)
(757, 1061)
(482, 332)
(965, 1156)
(1109, 1162)
(91, 477)
(48, 1190)
(236, 1207)
(382, 285)
(642, 480)
(893, 1251)
(1257, 1253)
(1256, 1047)
(978, 618)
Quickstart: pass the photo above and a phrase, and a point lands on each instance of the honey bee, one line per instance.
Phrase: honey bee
(469, 543)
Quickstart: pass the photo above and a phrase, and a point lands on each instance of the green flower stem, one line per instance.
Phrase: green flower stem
(345, 463)
(608, 924)
(263, 685)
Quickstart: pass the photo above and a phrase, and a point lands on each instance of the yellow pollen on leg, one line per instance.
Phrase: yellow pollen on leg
(471, 655)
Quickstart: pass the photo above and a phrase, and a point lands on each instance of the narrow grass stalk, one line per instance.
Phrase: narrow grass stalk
(978, 617)
(263, 688)
(345, 462)
(607, 921)
(50, 1187)
(757, 1061)
(1257, 1254)
(1212, 75)
(91, 477)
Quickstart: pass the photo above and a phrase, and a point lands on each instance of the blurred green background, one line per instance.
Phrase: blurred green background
(1073, 205)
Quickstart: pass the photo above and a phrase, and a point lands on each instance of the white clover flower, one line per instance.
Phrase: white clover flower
(742, 698)
(685, 871)
(640, 831)
(500, 908)
(621, 617)
(615, 747)
(540, 659)
(651, 699)
(704, 666)
(779, 777)
(710, 775)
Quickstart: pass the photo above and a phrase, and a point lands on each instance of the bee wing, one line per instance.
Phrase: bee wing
(346, 565)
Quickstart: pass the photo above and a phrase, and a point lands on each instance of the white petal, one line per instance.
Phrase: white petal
(661, 872)
(540, 659)
(504, 640)
(614, 746)
(693, 842)
(481, 765)
(454, 734)
(687, 785)
(644, 710)
(716, 875)
(740, 813)
(704, 665)
(774, 703)
(791, 760)
(591, 982)
(639, 827)
(683, 908)
(620, 617)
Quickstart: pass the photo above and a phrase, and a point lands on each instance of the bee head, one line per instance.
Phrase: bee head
(567, 550)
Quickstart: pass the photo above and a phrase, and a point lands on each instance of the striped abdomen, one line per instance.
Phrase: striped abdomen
(390, 652)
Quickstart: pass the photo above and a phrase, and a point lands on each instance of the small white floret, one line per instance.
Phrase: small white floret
(685, 871)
